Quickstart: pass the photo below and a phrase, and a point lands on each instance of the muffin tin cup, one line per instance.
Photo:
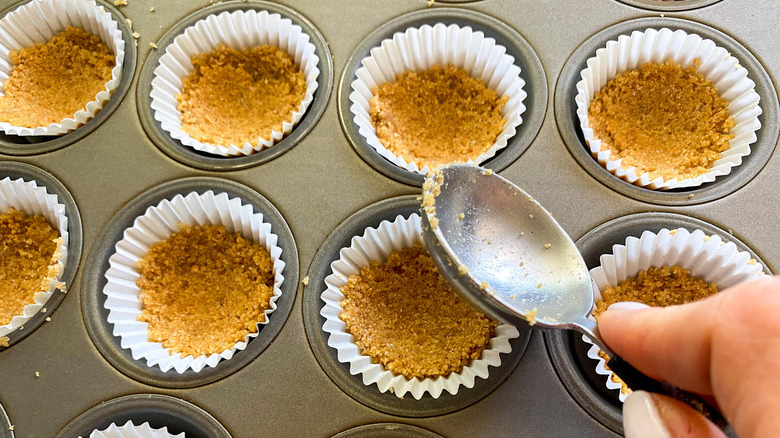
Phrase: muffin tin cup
(238, 30)
(159, 411)
(205, 158)
(669, 6)
(34, 191)
(94, 301)
(339, 372)
(376, 245)
(130, 430)
(630, 52)
(387, 430)
(28, 197)
(422, 48)
(158, 223)
(22, 145)
(706, 257)
(456, 23)
(569, 353)
(760, 151)
(37, 22)
(5, 424)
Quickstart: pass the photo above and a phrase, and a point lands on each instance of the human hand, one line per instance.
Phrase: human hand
(726, 347)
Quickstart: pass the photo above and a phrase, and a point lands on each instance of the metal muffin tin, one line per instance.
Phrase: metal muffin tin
(387, 430)
(33, 145)
(53, 186)
(320, 182)
(669, 6)
(567, 350)
(177, 415)
(5, 425)
(427, 406)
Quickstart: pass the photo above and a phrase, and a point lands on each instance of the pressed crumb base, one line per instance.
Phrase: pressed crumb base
(437, 116)
(53, 81)
(237, 96)
(656, 287)
(204, 289)
(405, 316)
(662, 119)
(29, 251)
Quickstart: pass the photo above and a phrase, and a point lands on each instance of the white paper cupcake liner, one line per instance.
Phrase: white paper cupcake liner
(729, 78)
(706, 257)
(376, 244)
(158, 223)
(37, 22)
(239, 30)
(130, 430)
(26, 196)
(421, 49)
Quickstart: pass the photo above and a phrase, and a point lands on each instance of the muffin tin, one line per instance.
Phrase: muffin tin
(319, 186)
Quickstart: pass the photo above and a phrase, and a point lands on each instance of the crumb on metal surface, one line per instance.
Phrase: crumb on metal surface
(547, 246)
(305, 280)
(153, 45)
(136, 35)
(4, 341)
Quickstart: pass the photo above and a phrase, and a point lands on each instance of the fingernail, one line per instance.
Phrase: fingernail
(628, 305)
(641, 418)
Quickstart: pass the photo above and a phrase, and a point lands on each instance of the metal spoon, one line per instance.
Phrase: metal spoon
(504, 253)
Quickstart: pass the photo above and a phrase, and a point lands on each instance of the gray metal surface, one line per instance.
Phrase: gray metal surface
(94, 280)
(189, 156)
(338, 372)
(177, 415)
(322, 181)
(525, 58)
(28, 172)
(669, 6)
(32, 145)
(387, 430)
(760, 151)
(567, 350)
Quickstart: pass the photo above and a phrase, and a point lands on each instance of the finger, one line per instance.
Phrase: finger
(648, 415)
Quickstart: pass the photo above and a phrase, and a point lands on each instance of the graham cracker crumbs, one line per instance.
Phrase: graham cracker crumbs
(153, 45)
(513, 296)
(305, 281)
(539, 286)
(151, 8)
(662, 119)
(4, 341)
(488, 172)
(657, 287)
(61, 286)
(752, 262)
(547, 246)
(239, 96)
(120, 2)
(129, 22)
(430, 3)
(29, 252)
(484, 285)
(463, 270)
(53, 81)
(461, 216)
(37, 374)
(405, 316)
(673, 232)
(11, 427)
(204, 289)
(437, 116)
(530, 316)
(136, 35)
(48, 319)
(44, 310)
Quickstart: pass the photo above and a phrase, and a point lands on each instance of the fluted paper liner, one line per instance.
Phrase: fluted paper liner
(421, 49)
(376, 244)
(130, 430)
(37, 22)
(158, 223)
(28, 197)
(239, 30)
(730, 79)
(706, 257)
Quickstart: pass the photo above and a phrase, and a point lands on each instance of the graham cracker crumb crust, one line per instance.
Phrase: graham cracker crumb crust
(53, 81)
(657, 287)
(437, 116)
(662, 119)
(29, 254)
(403, 314)
(239, 96)
(204, 289)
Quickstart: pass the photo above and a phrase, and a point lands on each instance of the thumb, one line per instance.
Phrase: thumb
(647, 415)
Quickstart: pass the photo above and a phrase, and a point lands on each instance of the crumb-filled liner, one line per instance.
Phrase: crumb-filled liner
(706, 257)
(730, 79)
(130, 430)
(376, 244)
(158, 223)
(28, 197)
(37, 22)
(239, 30)
(424, 47)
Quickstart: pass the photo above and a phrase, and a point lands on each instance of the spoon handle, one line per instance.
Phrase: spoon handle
(636, 380)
